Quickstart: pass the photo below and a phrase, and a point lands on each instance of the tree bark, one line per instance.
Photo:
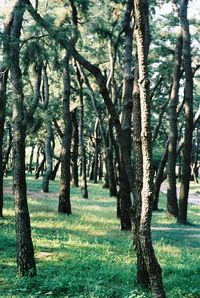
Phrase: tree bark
(75, 149)
(48, 154)
(30, 166)
(126, 122)
(4, 67)
(25, 253)
(172, 204)
(188, 107)
(142, 40)
(81, 139)
(64, 205)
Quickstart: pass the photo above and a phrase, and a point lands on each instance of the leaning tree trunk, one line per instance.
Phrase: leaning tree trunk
(172, 204)
(142, 40)
(188, 106)
(64, 205)
(25, 253)
(48, 154)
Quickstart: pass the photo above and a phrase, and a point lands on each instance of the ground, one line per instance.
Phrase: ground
(86, 254)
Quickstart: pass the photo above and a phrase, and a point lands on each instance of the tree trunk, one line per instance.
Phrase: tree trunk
(75, 149)
(142, 40)
(125, 197)
(48, 154)
(96, 154)
(172, 204)
(25, 254)
(55, 170)
(81, 140)
(160, 177)
(30, 167)
(110, 164)
(64, 205)
(188, 106)
(142, 273)
(3, 84)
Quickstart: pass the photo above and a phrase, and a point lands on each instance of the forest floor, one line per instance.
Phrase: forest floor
(86, 254)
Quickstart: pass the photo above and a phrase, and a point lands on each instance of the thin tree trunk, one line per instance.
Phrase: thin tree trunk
(172, 204)
(40, 168)
(142, 40)
(125, 197)
(25, 253)
(30, 167)
(75, 149)
(48, 154)
(96, 154)
(64, 205)
(55, 170)
(81, 140)
(3, 84)
(188, 106)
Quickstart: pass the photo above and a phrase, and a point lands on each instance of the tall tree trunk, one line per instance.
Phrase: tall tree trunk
(110, 161)
(75, 149)
(96, 152)
(125, 197)
(25, 252)
(172, 204)
(64, 205)
(3, 84)
(142, 40)
(81, 140)
(48, 154)
(142, 273)
(188, 106)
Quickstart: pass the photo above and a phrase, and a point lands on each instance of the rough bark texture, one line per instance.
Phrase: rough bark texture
(81, 140)
(126, 122)
(48, 154)
(25, 254)
(142, 274)
(64, 205)
(188, 107)
(142, 40)
(75, 149)
(172, 204)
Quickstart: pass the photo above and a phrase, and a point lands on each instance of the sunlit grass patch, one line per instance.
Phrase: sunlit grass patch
(86, 255)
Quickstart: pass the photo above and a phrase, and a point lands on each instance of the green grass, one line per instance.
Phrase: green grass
(86, 255)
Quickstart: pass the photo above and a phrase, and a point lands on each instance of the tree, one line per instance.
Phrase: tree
(142, 40)
(188, 106)
(4, 68)
(25, 252)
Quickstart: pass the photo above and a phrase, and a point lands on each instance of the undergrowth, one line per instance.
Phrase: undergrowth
(86, 254)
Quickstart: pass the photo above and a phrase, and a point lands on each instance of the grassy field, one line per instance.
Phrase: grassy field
(86, 255)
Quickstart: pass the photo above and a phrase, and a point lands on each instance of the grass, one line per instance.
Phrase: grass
(86, 255)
